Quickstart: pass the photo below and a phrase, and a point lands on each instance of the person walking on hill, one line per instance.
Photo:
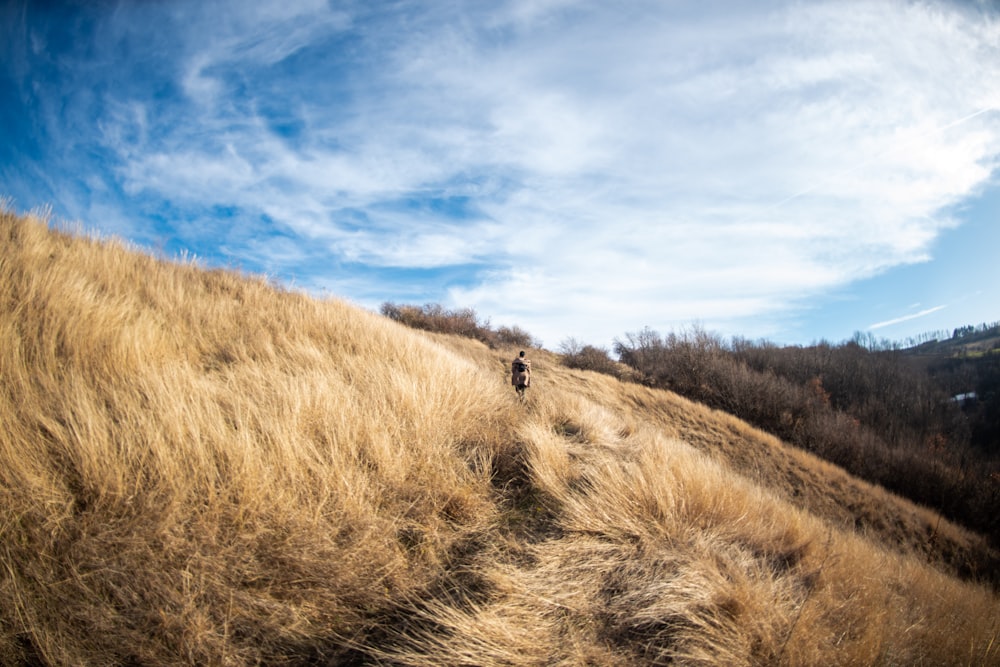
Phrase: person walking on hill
(520, 374)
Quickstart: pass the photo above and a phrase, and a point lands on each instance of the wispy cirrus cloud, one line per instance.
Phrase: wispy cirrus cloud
(570, 166)
(906, 318)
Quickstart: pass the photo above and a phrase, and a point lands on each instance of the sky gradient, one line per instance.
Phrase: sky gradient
(795, 171)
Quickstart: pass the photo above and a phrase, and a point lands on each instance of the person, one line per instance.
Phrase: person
(520, 374)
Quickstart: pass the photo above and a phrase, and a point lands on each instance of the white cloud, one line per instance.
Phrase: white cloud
(860, 119)
(906, 318)
(650, 166)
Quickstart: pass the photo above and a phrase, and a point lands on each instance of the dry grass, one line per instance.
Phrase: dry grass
(199, 468)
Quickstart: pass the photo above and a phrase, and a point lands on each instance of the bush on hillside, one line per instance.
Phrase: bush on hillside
(459, 322)
(513, 336)
(435, 317)
(588, 357)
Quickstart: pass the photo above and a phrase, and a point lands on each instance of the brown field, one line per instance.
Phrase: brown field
(198, 467)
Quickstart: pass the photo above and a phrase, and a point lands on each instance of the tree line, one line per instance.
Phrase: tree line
(881, 413)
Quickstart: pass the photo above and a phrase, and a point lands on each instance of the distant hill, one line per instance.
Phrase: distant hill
(965, 341)
(198, 467)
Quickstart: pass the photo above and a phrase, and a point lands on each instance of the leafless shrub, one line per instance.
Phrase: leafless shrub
(460, 322)
(588, 357)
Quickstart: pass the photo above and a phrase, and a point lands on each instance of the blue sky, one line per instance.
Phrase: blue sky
(795, 171)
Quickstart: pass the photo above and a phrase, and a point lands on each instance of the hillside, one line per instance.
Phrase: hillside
(967, 367)
(966, 341)
(197, 467)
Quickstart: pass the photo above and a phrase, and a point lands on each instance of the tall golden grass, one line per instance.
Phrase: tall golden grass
(197, 467)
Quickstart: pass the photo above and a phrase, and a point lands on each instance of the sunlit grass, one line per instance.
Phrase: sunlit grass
(197, 467)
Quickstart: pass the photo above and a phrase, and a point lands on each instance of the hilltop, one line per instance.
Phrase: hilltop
(964, 341)
(199, 467)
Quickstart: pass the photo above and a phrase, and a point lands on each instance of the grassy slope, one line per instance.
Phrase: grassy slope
(196, 467)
